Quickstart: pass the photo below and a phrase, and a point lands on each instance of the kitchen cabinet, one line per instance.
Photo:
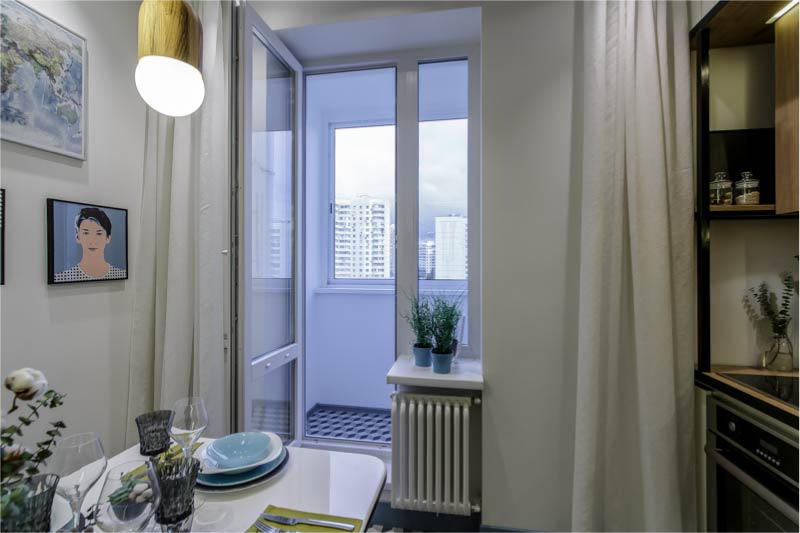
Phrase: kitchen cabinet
(786, 112)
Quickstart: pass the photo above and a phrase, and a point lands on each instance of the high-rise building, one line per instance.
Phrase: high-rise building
(427, 259)
(451, 247)
(363, 239)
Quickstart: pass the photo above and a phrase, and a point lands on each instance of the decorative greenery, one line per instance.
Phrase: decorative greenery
(420, 319)
(445, 317)
(762, 304)
(17, 461)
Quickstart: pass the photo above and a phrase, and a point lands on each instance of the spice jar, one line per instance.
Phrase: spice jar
(720, 190)
(747, 191)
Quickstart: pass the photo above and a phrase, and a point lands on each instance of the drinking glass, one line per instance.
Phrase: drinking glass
(191, 419)
(129, 497)
(176, 479)
(80, 461)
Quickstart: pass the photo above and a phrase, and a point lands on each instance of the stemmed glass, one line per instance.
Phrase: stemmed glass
(191, 419)
(80, 461)
(129, 497)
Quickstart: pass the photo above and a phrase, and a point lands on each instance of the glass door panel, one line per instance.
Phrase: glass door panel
(267, 260)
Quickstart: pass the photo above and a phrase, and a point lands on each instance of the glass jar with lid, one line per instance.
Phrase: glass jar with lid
(747, 191)
(720, 190)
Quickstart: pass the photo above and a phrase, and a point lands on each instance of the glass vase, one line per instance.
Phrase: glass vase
(27, 503)
(780, 356)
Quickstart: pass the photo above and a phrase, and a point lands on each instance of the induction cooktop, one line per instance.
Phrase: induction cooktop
(783, 388)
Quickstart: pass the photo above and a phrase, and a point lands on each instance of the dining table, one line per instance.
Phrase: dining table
(312, 481)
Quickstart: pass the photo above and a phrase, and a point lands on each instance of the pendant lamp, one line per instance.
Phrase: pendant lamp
(170, 57)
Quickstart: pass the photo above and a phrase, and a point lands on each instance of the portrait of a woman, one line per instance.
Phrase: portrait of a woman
(91, 234)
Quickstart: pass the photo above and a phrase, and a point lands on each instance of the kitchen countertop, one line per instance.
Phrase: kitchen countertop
(772, 406)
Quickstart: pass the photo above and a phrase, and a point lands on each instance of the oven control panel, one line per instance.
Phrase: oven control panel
(772, 450)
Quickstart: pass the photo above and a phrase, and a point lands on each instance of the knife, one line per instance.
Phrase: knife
(285, 520)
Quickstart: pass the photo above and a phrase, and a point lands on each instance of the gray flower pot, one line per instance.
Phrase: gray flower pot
(422, 356)
(442, 363)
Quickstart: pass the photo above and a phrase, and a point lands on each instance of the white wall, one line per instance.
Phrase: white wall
(78, 334)
(530, 223)
(741, 258)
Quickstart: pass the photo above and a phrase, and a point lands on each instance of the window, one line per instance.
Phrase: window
(364, 218)
(443, 249)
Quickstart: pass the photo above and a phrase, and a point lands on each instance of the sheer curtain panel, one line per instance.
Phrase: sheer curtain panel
(634, 463)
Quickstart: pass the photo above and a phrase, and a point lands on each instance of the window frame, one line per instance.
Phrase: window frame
(406, 64)
(333, 281)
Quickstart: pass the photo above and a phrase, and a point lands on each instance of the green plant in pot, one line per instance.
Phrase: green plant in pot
(764, 305)
(26, 496)
(419, 318)
(445, 319)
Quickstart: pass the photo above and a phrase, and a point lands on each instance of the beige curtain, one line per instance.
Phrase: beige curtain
(634, 466)
(179, 304)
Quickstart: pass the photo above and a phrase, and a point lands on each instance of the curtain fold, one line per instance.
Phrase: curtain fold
(177, 347)
(634, 463)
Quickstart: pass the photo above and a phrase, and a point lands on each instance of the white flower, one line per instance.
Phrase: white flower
(26, 383)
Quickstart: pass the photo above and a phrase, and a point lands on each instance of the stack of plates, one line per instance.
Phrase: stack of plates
(239, 461)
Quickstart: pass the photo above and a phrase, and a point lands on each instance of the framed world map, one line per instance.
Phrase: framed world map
(42, 82)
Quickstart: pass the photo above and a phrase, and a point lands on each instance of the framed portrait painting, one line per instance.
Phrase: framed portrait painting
(86, 242)
(43, 92)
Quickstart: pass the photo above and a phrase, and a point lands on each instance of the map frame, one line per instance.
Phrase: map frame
(82, 156)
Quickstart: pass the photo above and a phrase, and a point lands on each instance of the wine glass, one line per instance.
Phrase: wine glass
(191, 419)
(129, 497)
(80, 461)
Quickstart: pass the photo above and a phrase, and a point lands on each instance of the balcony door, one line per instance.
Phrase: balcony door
(267, 252)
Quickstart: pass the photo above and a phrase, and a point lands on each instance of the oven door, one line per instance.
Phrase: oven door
(744, 496)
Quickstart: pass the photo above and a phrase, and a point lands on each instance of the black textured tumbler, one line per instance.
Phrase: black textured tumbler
(176, 480)
(154, 431)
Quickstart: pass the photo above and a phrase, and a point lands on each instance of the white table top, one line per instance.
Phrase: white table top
(466, 374)
(315, 481)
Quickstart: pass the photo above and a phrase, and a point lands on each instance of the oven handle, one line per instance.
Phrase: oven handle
(745, 479)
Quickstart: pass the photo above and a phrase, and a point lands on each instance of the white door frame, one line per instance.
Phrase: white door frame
(248, 23)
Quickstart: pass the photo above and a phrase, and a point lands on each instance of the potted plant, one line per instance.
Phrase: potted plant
(446, 315)
(419, 318)
(762, 305)
(26, 496)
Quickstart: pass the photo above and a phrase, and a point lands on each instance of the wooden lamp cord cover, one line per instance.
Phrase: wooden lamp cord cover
(170, 28)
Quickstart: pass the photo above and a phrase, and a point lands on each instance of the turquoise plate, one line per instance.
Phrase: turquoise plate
(233, 480)
(239, 450)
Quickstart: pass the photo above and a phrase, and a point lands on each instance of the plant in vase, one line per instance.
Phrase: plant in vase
(26, 496)
(762, 304)
(445, 317)
(419, 318)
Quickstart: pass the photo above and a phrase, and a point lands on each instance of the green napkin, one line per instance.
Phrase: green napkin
(292, 513)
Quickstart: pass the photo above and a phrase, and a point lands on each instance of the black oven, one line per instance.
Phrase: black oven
(752, 463)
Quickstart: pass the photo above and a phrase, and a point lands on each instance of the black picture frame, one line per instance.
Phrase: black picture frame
(51, 241)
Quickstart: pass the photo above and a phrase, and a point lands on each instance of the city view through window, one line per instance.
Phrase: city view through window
(364, 214)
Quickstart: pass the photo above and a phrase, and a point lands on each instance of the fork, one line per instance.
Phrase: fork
(265, 528)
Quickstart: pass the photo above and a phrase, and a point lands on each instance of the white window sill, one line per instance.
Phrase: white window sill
(466, 374)
(376, 290)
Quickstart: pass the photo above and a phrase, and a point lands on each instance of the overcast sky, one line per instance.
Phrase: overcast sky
(365, 165)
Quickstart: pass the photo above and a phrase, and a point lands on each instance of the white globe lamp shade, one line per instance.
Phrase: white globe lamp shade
(169, 85)
(168, 73)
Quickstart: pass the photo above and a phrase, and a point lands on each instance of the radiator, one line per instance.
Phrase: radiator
(430, 453)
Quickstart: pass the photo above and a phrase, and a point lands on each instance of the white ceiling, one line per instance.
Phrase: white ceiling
(402, 32)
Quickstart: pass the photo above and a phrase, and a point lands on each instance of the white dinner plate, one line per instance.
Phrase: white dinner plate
(209, 466)
(284, 458)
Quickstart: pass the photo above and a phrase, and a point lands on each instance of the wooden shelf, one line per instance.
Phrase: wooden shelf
(739, 23)
(761, 211)
(738, 208)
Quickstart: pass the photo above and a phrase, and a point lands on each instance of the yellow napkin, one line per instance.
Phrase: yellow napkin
(292, 513)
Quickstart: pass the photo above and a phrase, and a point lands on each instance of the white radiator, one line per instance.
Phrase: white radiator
(430, 453)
